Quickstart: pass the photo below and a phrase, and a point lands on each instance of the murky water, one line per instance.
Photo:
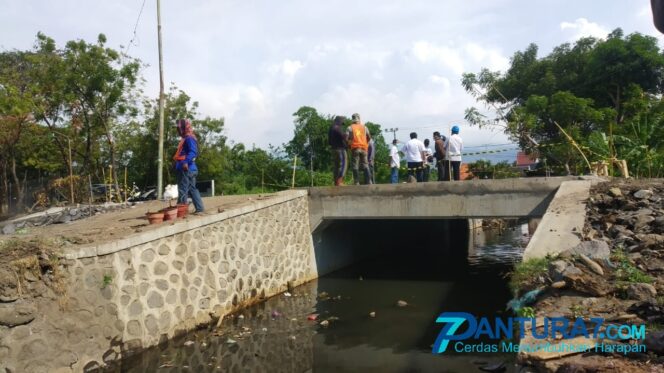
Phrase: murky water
(277, 335)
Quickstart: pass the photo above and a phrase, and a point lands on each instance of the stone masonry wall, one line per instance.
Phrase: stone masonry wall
(145, 294)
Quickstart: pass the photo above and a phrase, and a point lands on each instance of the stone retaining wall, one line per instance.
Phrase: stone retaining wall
(165, 282)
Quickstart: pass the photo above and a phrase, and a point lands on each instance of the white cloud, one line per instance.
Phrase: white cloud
(582, 28)
(427, 52)
(291, 67)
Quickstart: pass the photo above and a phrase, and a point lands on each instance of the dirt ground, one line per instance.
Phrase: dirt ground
(121, 223)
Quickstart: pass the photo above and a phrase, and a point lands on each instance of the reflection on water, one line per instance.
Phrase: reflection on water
(276, 336)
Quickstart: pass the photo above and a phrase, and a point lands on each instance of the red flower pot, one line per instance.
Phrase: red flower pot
(183, 209)
(155, 217)
(170, 213)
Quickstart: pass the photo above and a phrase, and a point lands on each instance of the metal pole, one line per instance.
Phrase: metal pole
(160, 161)
(294, 167)
(71, 175)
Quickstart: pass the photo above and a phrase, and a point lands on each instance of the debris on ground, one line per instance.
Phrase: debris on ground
(615, 273)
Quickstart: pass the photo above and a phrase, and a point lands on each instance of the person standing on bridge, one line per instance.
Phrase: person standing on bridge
(428, 160)
(395, 163)
(338, 141)
(358, 140)
(453, 148)
(415, 156)
(185, 165)
(371, 156)
(439, 154)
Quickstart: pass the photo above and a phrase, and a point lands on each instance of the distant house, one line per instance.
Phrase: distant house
(526, 162)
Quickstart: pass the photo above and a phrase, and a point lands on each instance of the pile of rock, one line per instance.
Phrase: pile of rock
(59, 215)
(616, 273)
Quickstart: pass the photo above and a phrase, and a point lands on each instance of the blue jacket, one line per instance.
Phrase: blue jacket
(190, 151)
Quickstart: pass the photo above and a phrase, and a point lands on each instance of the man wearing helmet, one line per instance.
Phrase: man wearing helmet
(453, 149)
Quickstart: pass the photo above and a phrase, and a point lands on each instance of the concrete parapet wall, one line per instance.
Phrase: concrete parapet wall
(467, 199)
(560, 228)
(142, 290)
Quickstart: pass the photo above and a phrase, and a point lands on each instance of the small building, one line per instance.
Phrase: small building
(526, 162)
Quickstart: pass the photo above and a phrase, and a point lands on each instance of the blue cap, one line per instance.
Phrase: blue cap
(455, 129)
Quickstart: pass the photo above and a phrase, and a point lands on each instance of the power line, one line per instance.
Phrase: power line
(133, 35)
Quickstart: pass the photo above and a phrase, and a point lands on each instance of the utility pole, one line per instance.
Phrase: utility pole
(393, 130)
(160, 161)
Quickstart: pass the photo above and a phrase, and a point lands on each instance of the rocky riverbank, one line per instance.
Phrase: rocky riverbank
(616, 273)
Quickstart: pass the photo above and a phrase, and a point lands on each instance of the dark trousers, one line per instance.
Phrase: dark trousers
(187, 187)
(455, 168)
(456, 172)
(416, 169)
(340, 165)
(440, 165)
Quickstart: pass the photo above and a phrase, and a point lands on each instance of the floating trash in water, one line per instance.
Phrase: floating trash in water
(402, 303)
(240, 317)
(312, 317)
(372, 314)
(231, 341)
(188, 343)
(275, 314)
(264, 330)
(287, 294)
(324, 323)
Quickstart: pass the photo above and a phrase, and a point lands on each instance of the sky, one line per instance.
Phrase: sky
(254, 63)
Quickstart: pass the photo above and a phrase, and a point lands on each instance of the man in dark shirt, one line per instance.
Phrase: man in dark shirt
(338, 141)
(439, 153)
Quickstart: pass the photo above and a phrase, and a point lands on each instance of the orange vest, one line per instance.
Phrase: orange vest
(359, 137)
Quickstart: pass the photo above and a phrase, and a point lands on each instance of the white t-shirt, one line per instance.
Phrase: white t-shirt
(413, 150)
(395, 160)
(428, 152)
(454, 147)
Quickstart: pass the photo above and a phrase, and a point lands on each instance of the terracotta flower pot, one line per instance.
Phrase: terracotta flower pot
(155, 217)
(183, 209)
(170, 213)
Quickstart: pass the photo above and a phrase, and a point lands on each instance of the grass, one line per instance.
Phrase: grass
(108, 279)
(526, 312)
(626, 272)
(526, 273)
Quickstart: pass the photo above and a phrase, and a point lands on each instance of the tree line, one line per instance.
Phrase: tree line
(87, 100)
(599, 97)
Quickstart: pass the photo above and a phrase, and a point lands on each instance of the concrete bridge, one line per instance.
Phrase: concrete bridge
(559, 201)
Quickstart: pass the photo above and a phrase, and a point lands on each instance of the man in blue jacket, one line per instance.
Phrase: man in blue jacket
(185, 165)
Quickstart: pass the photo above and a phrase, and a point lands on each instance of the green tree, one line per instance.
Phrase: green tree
(592, 87)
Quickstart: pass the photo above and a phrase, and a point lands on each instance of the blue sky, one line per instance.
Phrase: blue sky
(397, 63)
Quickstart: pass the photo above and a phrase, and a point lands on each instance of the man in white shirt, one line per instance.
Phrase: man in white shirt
(395, 162)
(415, 156)
(453, 149)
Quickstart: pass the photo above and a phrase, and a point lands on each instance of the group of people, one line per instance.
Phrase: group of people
(419, 156)
(420, 159)
(362, 148)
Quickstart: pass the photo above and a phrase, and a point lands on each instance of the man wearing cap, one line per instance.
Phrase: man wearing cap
(453, 149)
(185, 165)
(358, 141)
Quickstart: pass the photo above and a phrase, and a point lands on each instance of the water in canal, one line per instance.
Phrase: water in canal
(277, 335)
